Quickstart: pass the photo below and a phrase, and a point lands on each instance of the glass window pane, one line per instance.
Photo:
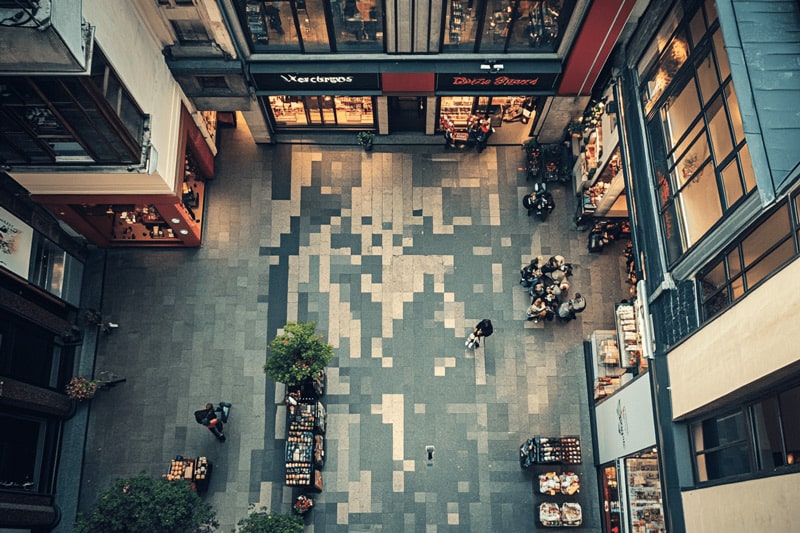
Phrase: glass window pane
(697, 27)
(358, 25)
(731, 461)
(714, 279)
(460, 27)
(681, 111)
(772, 262)
(732, 183)
(724, 429)
(716, 303)
(313, 28)
(707, 77)
(270, 25)
(711, 11)
(673, 60)
(673, 231)
(688, 140)
(769, 232)
(737, 288)
(767, 430)
(734, 263)
(538, 24)
(722, 56)
(694, 159)
(496, 25)
(288, 110)
(19, 447)
(735, 113)
(354, 111)
(719, 129)
(789, 402)
(700, 204)
(747, 168)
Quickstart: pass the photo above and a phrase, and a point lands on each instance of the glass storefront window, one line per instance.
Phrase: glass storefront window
(322, 111)
(611, 507)
(644, 493)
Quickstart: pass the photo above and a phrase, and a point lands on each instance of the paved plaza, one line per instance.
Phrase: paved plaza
(396, 254)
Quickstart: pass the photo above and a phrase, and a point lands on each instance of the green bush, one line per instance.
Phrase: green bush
(298, 354)
(263, 522)
(143, 503)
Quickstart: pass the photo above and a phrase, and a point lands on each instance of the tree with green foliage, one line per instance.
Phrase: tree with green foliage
(263, 522)
(298, 354)
(143, 503)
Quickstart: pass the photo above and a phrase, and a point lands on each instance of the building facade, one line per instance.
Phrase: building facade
(707, 108)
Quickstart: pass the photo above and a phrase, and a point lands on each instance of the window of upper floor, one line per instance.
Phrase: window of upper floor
(506, 26)
(358, 26)
(771, 243)
(51, 119)
(757, 437)
(700, 160)
(313, 26)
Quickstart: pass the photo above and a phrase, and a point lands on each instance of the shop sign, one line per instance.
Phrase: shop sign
(495, 83)
(16, 239)
(625, 421)
(315, 83)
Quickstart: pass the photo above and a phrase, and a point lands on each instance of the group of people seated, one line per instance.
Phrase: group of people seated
(548, 284)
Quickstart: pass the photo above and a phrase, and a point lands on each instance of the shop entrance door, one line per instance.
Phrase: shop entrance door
(406, 113)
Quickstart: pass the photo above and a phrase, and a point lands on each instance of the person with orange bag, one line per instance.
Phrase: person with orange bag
(213, 418)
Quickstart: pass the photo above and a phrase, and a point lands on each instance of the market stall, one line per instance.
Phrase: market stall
(305, 442)
(197, 470)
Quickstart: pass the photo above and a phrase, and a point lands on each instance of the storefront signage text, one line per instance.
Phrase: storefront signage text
(500, 80)
(291, 78)
(498, 83)
(315, 83)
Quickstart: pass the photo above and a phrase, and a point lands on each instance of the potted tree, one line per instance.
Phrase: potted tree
(266, 522)
(143, 503)
(298, 354)
(365, 139)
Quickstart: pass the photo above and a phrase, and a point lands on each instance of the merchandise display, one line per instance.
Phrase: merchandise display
(550, 450)
(568, 515)
(196, 470)
(305, 441)
(567, 483)
(629, 338)
(644, 495)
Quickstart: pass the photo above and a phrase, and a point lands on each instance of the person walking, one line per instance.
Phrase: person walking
(214, 418)
(484, 328)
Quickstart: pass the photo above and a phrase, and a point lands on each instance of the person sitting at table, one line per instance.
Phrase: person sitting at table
(537, 310)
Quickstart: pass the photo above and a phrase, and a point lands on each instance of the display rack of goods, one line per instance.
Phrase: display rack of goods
(549, 514)
(195, 470)
(628, 335)
(298, 473)
(300, 446)
(305, 443)
(558, 450)
(549, 483)
(570, 483)
(571, 514)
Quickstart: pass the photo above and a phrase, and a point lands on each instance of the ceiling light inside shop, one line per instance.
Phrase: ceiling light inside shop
(175, 220)
(184, 232)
